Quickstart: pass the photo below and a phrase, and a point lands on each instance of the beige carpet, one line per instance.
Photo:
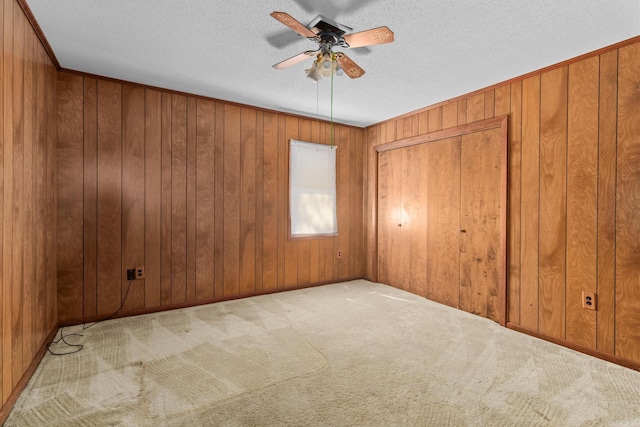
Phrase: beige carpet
(351, 354)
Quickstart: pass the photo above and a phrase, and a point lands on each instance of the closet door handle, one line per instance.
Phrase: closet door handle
(462, 230)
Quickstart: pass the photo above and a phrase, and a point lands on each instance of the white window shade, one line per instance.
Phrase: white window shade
(312, 189)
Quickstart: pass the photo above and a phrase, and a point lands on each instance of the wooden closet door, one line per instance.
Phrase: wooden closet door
(481, 248)
(443, 217)
(390, 219)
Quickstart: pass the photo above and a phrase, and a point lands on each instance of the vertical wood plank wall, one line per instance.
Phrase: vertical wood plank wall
(194, 190)
(27, 198)
(574, 195)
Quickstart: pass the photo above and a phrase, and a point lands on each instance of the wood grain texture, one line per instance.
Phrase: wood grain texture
(509, 98)
(70, 207)
(28, 188)
(475, 108)
(152, 197)
(582, 202)
(530, 204)
(205, 196)
(607, 150)
(192, 154)
(90, 196)
(481, 264)
(178, 199)
(627, 340)
(165, 199)
(109, 269)
(247, 233)
(17, 289)
(291, 129)
(416, 273)
(443, 220)
(133, 192)
(270, 203)
(553, 207)
(232, 177)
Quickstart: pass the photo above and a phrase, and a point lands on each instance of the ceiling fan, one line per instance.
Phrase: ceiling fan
(329, 34)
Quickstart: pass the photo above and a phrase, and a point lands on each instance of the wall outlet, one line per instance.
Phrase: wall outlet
(339, 254)
(588, 300)
(139, 273)
(131, 274)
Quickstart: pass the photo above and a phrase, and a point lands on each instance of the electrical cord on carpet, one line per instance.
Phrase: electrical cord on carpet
(77, 347)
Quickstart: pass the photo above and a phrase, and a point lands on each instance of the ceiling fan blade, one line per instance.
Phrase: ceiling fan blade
(378, 35)
(295, 59)
(349, 67)
(296, 26)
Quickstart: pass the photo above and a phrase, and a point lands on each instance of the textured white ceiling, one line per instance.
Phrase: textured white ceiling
(225, 49)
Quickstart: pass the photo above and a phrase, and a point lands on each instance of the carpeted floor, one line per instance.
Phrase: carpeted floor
(350, 354)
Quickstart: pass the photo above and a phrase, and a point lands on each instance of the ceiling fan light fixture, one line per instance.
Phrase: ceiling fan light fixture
(312, 73)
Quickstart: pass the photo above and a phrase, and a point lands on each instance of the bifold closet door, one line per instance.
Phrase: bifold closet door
(481, 246)
(443, 218)
(402, 231)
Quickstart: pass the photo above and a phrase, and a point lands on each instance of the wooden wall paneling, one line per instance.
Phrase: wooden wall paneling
(503, 105)
(489, 104)
(423, 122)
(462, 112)
(259, 193)
(165, 199)
(248, 121)
(607, 147)
(152, 198)
(28, 236)
(312, 133)
(371, 185)
(344, 219)
(133, 127)
(192, 153)
(290, 246)
(282, 204)
(17, 290)
(205, 195)
(304, 255)
(218, 173)
(475, 108)
(51, 196)
(270, 223)
(450, 115)
(232, 177)
(3, 284)
(435, 119)
(40, 200)
(70, 194)
(627, 339)
(90, 195)
(530, 202)
(443, 247)
(109, 269)
(582, 202)
(553, 208)
(481, 269)
(353, 198)
(330, 260)
(360, 171)
(178, 199)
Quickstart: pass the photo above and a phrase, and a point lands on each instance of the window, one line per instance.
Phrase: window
(312, 189)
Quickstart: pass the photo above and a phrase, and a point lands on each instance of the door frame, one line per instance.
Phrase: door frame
(500, 122)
